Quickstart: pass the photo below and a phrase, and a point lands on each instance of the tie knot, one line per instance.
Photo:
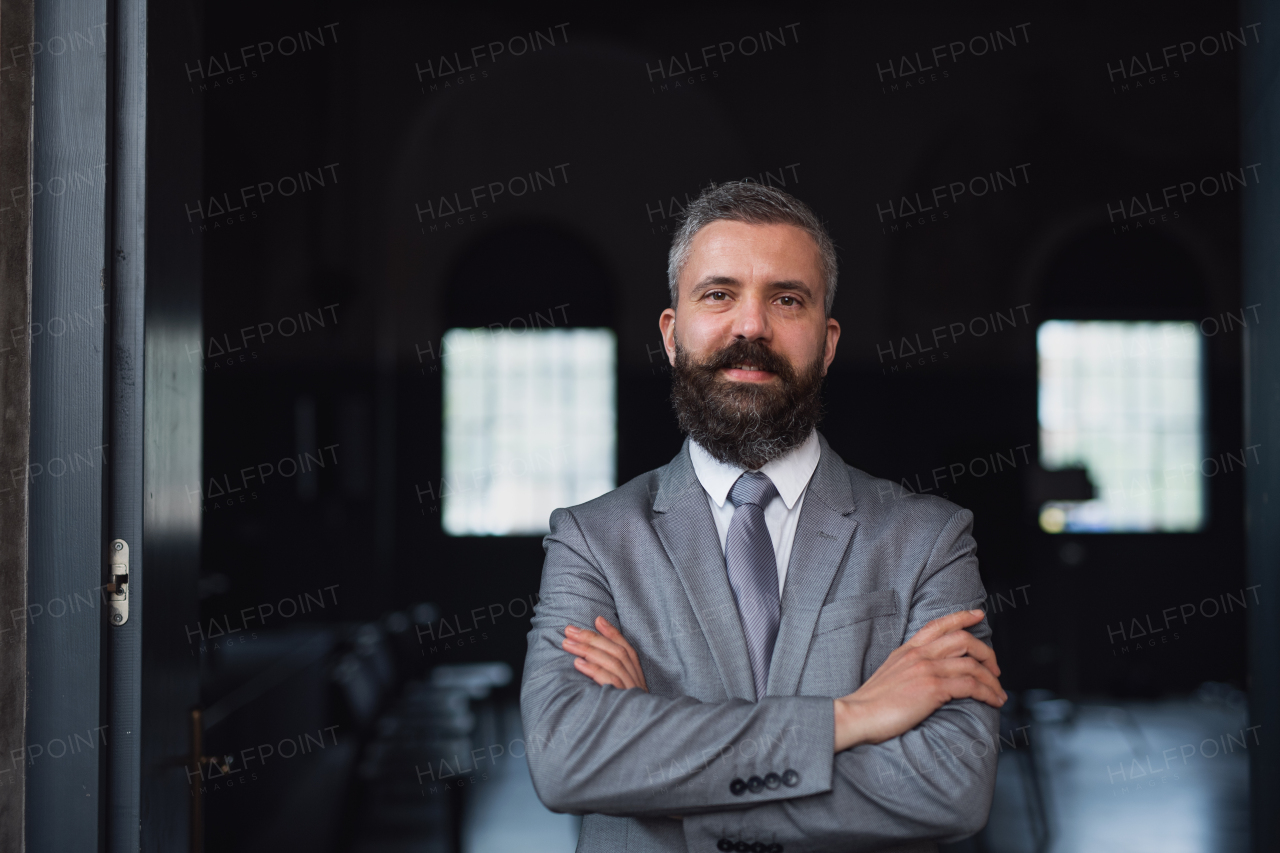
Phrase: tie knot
(753, 488)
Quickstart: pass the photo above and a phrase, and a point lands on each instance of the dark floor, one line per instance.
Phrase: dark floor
(1168, 776)
(504, 814)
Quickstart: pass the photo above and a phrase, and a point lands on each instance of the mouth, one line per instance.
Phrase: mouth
(746, 371)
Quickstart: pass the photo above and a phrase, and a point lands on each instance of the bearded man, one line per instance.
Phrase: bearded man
(748, 648)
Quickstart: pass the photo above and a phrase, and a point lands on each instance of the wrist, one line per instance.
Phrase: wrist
(852, 724)
(846, 723)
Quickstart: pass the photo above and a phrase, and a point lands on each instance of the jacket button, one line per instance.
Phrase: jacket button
(759, 847)
(742, 847)
(724, 845)
(791, 778)
(772, 781)
(755, 784)
(736, 787)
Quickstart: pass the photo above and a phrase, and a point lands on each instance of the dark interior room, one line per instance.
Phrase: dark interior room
(404, 265)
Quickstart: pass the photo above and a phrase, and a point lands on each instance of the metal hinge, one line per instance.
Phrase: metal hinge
(118, 588)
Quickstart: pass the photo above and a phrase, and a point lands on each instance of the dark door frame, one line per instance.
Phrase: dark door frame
(99, 729)
(16, 27)
(63, 747)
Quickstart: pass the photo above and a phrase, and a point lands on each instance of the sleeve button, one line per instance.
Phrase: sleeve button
(775, 848)
(791, 778)
(736, 787)
(755, 784)
(772, 781)
(742, 847)
(759, 847)
(724, 845)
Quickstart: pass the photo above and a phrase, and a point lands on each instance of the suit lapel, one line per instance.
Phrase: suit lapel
(684, 524)
(822, 538)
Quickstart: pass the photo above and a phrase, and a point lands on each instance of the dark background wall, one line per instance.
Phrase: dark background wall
(820, 111)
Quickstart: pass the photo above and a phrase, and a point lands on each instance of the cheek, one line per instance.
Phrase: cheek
(703, 333)
(800, 346)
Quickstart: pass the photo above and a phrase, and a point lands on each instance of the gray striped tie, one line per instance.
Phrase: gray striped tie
(753, 571)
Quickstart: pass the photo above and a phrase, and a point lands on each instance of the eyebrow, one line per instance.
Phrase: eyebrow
(721, 280)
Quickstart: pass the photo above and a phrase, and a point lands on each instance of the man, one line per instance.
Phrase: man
(747, 649)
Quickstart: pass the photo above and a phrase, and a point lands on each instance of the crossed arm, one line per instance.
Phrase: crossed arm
(940, 662)
(913, 747)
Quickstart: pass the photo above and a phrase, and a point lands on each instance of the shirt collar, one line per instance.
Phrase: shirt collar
(790, 472)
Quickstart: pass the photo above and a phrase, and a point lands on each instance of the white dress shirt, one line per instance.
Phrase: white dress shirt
(790, 474)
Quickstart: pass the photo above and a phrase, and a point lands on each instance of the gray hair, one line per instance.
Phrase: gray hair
(754, 204)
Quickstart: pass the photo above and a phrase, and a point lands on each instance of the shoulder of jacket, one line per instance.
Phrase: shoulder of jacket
(635, 495)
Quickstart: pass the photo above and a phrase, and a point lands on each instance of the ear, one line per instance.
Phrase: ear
(829, 348)
(667, 324)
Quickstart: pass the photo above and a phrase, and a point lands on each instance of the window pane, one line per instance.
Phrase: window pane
(528, 426)
(1124, 401)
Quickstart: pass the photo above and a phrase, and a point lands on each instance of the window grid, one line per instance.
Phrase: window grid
(529, 425)
(1124, 400)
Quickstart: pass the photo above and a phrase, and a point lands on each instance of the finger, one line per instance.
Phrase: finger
(614, 634)
(616, 658)
(974, 648)
(607, 629)
(972, 688)
(602, 674)
(596, 674)
(601, 659)
(606, 645)
(945, 625)
(621, 651)
(983, 654)
(967, 666)
(583, 650)
(962, 667)
(591, 639)
(579, 639)
(961, 643)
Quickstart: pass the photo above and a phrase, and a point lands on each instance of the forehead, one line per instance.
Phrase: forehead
(726, 247)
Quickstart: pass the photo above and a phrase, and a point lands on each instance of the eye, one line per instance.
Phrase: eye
(788, 301)
(718, 295)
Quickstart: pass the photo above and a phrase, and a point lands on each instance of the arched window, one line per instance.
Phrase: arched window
(1123, 400)
(529, 382)
(1121, 385)
(529, 425)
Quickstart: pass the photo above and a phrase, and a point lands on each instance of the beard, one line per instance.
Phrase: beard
(746, 424)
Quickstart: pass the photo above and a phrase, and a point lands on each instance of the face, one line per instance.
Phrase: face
(749, 341)
(759, 283)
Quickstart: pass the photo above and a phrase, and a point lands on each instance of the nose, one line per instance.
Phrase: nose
(751, 320)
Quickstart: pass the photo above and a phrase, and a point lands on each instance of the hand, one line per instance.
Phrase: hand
(941, 662)
(605, 657)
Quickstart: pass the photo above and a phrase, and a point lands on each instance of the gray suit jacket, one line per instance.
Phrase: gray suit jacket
(869, 567)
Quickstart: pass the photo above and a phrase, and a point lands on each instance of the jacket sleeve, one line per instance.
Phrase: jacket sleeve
(934, 782)
(631, 753)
